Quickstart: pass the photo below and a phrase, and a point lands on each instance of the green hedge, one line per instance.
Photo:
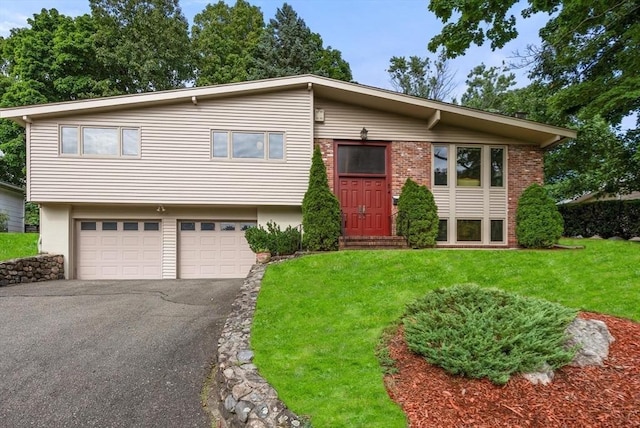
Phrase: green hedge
(604, 218)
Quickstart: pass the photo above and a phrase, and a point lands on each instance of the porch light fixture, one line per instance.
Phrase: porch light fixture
(363, 134)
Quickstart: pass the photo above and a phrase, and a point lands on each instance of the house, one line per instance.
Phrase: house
(162, 185)
(598, 196)
(12, 204)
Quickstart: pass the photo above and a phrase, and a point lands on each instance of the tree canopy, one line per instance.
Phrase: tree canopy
(588, 52)
(288, 47)
(223, 40)
(422, 77)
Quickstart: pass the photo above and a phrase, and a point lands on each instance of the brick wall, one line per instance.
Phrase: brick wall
(326, 147)
(525, 167)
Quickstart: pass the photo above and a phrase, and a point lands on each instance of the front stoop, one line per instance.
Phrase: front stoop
(372, 242)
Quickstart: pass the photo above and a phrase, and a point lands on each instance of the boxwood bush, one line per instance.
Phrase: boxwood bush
(479, 332)
(277, 241)
(538, 222)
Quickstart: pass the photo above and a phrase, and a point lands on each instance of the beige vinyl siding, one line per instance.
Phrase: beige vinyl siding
(498, 202)
(169, 248)
(175, 164)
(344, 121)
(443, 200)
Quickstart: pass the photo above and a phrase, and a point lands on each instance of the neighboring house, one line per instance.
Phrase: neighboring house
(12, 204)
(601, 196)
(162, 185)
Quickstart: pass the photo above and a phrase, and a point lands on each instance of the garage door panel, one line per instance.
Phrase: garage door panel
(213, 249)
(119, 253)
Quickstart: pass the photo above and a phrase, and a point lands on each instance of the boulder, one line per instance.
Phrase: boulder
(593, 339)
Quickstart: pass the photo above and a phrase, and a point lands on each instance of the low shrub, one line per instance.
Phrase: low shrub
(478, 332)
(4, 222)
(538, 222)
(277, 241)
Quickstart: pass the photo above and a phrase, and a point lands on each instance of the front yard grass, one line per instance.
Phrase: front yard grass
(14, 245)
(319, 318)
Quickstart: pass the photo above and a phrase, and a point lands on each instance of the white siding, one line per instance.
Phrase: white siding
(56, 233)
(175, 165)
(12, 203)
(498, 202)
(169, 248)
(344, 122)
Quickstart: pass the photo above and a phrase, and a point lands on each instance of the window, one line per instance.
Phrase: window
(151, 226)
(497, 167)
(247, 145)
(245, 226)
(130, 225)
(207, 226)
(356, 159)
(440, 165)
(469, 166)
(88, 225)
(187, 225)
(469, 230)
(69, 136)
(443, 233)
(109, 225)
(228, 226)
(497, 231)
(99, 141)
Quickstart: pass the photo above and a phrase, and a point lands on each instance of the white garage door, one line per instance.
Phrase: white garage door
(213, 249)
(116, 249)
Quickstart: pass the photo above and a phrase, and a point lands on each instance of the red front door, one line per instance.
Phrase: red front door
(361, 175)
(363, 204)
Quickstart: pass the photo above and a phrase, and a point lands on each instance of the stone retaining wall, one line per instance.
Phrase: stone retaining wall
(44, 267)
(246, 399)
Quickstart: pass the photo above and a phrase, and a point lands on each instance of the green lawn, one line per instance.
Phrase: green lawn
(319, 317)
(14, 245)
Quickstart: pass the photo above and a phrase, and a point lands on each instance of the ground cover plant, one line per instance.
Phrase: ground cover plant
(482, 332)
(319, 318)
(14, 245)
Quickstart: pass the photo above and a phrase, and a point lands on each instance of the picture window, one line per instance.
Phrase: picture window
(99, 141)
(247, 145)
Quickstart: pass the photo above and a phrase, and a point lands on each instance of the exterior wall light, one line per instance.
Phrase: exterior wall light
(363, 134)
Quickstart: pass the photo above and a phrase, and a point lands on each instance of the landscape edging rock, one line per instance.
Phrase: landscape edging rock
(246, 399)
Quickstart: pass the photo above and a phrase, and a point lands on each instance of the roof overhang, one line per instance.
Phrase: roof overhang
(433, 113)
(11, 188)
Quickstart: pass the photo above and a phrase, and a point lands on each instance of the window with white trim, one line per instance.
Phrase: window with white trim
(99, 141)
(247, 145)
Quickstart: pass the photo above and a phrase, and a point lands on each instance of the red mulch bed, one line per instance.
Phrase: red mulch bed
(607, 396)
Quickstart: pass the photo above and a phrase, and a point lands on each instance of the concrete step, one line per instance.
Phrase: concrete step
(372, 242)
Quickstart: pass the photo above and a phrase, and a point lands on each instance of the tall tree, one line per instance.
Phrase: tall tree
(487, 89)
(589, 48)
(288, 47)
(144, 43)
(422, 77)
(224, 38)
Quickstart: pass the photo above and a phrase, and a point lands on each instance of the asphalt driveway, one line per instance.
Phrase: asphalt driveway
(109, 353)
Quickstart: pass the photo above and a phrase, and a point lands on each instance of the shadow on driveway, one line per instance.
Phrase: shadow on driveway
(109, 353)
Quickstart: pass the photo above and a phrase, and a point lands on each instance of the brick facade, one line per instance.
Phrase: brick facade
(413, 159)
(525, 167)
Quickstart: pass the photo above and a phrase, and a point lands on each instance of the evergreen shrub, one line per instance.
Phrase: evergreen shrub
(481, 332)
(417, 217)
(321, 216)
(4, 222)
(538, 222)
(277, 241)
(604, 218)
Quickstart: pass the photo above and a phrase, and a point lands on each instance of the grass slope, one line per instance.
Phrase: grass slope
(318, 318)
(14, 245)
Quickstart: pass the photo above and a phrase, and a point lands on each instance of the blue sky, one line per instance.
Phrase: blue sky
(367, 32)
